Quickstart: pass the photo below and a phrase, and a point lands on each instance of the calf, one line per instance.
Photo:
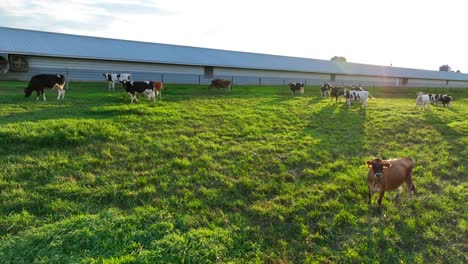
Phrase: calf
(325, 89)
(147, 88)
(41, 81)
(389, 175)
(422, 100)
(221, 83)
(296, 86)
(361, 96)
(113, 78)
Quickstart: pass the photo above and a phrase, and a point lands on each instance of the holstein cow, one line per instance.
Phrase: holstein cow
(41, 81)
(221, 83)
(422, 100)
(337, 92)
(445, 100)
(389, 175)
(113, 78)
(359, 88)
(296, 86)
(148, 88)
(325, 89)
(361, 96)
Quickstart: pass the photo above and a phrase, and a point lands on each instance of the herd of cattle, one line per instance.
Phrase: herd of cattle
(383, 174)
(153, 89)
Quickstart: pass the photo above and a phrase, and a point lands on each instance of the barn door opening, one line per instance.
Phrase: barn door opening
(4, 66)
(208, 71)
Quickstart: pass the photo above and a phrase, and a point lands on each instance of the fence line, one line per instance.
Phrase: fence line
(200, 79)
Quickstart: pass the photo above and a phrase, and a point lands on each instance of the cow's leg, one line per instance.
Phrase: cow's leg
(398, 193)
(370, 195)
(131, 97)
(302, 91)
(38, 93)
(382, 192)
(410, 184)
(43, 95)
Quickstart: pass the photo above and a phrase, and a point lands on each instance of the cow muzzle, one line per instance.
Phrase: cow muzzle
(378, 175)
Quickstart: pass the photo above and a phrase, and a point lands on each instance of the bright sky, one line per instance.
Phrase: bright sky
(423, 34)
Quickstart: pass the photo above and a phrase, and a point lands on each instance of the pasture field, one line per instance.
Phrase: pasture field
(258, 176)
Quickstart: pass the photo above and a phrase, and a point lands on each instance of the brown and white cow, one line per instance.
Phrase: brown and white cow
(389, 175)
(221, 83)
(158, 87)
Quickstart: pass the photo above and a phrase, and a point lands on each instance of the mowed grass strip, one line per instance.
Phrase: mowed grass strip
(203, 177)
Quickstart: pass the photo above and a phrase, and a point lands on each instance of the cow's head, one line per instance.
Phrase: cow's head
(107, 76)
(27, 92)
(377, 166)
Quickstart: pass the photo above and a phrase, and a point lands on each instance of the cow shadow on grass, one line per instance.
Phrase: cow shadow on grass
(338, 136)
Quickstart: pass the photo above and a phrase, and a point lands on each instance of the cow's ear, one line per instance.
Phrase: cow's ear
(387, 165)
(369, 163)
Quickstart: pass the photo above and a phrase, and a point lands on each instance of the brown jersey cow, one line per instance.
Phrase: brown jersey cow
(389, 175)
(221, 83)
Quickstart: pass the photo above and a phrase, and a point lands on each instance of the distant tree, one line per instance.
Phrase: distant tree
(444, 68)
(338, 58)
(458, 71)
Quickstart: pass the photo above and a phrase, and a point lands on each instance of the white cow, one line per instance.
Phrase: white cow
(113, 78)
(361, 96)
(422, 100)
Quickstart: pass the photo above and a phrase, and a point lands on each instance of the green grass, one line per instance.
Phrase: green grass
(258, 176)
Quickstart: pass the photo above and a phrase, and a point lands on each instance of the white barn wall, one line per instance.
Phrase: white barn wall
(92, 69)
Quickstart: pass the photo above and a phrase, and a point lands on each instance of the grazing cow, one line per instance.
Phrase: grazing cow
(389, 175)
(325, 89)
(359, 88)
(445, 100)
(41, 81)
(361, 96)
(296, 86)
(221, 83)
(422, 100)
(434, 98)
(148, 88)
(113, 78)
(337, 92)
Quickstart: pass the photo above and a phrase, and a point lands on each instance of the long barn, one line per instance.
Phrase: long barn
(24, 53)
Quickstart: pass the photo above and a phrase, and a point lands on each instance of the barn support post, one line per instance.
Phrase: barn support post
(232, 81)
(162, 78)
(260, 82)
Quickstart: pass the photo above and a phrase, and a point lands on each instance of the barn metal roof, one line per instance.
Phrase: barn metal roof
(40, 43)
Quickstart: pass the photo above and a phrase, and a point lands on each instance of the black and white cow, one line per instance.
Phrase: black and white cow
(296, 86)
(138, 87)
(325, 89)
(445, 100)
(337, 92)
(361, 96)
(423, 100)
(113, 78)
(46, 81)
